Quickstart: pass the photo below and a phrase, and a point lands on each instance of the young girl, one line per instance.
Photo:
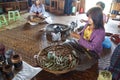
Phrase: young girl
(92, 35)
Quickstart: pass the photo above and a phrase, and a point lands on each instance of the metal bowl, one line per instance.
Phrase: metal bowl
(65, 31)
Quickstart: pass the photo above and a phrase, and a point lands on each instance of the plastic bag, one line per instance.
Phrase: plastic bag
(104, 75)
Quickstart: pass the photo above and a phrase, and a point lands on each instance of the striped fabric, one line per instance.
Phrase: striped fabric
(115, 64)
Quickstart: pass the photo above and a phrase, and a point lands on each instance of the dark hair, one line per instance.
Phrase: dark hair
(101, 4)
(97, 16)
(39, 0)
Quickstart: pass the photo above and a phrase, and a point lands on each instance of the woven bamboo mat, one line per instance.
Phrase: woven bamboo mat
(23, 42)
(14, 24)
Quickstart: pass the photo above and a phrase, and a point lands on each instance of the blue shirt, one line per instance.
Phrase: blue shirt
(40, 9)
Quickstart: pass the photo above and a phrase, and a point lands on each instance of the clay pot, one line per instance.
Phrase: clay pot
(2, 55)
(17, 62)
(8, 72)
(2, 61)
(63, 29)
(8, 54)
(2, 49)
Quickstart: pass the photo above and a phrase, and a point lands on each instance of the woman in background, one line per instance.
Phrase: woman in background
(37, 9)
(102, 6)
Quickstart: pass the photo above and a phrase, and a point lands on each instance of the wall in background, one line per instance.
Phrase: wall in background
(92, 3)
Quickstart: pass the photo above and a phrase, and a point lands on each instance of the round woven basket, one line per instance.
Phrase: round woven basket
(60, 50)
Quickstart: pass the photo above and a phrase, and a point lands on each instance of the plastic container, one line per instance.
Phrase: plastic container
(104, 75)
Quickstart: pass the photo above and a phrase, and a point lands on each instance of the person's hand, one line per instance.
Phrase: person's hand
(81, 20)
(40, 15)
(75, 35)
(33, 13)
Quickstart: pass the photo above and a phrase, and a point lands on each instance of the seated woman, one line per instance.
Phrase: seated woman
(93, 34)
(37, 10)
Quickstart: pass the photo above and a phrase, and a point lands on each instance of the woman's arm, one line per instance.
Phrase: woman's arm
(75, 35)
(83, 20)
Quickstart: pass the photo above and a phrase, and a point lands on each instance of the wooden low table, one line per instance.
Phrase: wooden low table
(89, 74)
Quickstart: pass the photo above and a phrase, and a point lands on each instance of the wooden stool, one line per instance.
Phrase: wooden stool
(11, 15)
(0, 24)
(17, 14)
(3, 20)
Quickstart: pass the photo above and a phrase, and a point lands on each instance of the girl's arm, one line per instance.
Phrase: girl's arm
(82, 20)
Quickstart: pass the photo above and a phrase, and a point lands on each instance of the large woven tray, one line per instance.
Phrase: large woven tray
(60, 50)
(37, 20)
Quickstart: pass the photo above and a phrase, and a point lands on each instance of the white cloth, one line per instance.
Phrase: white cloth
(49, 20)
(27, 72)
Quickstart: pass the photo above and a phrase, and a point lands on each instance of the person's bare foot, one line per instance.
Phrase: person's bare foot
(119, 26)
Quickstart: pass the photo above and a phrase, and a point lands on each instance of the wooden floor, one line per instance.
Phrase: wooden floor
(25, 44)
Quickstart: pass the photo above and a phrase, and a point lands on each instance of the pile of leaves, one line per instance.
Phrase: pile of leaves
(57, 58)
